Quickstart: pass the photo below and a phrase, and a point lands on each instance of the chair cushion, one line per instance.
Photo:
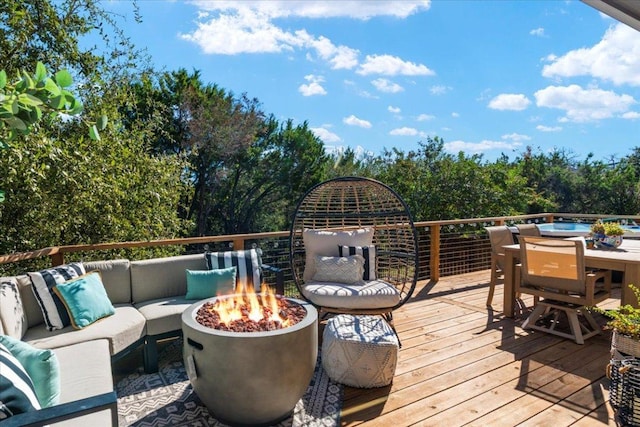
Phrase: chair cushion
(126, 327)
(17, 394)
(247, 262)
(326, 242)
(373, 294)
(203, 284)
(85, 299)
(42, 283)
(369, 255)
(13, 320)
(42, 366)
(342, 269)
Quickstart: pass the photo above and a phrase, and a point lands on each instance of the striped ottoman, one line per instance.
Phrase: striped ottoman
(359, 351)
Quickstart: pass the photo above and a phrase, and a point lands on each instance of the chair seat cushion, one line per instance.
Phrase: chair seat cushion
(370, 295)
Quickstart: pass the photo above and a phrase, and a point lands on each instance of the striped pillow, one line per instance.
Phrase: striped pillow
(369, 255)
(17, 394)
(42, 283)
(247, 262)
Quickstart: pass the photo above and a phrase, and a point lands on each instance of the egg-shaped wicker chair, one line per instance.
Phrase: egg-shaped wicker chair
(351, 212)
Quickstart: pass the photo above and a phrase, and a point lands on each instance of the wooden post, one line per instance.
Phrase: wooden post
(238, 244)
(57, 259)
(434, 261)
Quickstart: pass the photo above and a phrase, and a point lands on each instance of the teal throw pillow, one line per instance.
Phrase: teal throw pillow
(41, 365)
(85, 299)
(203, 284)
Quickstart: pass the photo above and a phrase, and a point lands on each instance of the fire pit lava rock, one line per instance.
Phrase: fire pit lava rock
(250, 378)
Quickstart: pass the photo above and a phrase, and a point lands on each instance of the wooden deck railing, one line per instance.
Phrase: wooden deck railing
(446, 247)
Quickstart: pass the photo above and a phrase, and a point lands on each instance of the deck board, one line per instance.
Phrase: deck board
(464, 364)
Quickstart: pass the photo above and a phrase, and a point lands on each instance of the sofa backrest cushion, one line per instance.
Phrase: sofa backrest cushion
(163, 277)
(30, 305)
(13, 320)
(116, 278)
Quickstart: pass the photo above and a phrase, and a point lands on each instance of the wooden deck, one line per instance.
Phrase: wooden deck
(462, 364)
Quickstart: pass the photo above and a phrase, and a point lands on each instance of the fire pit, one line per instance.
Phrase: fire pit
(249, 378)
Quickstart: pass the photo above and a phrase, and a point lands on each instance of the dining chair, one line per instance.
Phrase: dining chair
(528, 230)
(499, 236)
(554, 271)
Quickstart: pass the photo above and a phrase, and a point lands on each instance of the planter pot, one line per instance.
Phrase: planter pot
(604, 241)
(624, 345)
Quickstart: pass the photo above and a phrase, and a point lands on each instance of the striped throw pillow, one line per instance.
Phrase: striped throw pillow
(42, 283)
(247, 262)
(17, 394)
(369, 255)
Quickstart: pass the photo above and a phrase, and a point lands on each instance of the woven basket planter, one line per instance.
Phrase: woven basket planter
(624, 390)
(624, 346)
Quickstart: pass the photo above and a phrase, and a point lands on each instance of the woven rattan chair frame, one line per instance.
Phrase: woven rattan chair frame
(349, 203)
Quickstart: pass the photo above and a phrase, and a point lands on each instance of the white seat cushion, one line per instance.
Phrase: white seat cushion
(371, 294)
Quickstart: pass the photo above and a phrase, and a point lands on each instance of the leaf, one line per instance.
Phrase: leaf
(28, 99)
(63, 78)
(51, 87)
(3, 79)
(1, 196)
(102, 122)
(76, 108)
(57, 102)
(93, 133)
(15, 123)
(41, 72)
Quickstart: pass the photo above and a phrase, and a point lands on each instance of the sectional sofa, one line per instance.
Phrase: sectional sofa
(148, 297)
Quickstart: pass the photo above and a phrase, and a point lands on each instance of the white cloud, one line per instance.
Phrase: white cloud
(479, 147)
(455, 115)
(392, 66)
(314, 87)
(245, 32)
(583, 105)
(405, 131)
(538, 32)
(245, 27)
(516, 137)
(354, 121)
(320, 9)
(631, 115)
(509, 101)
(425, 117)
(543, 128)
(394, 110)
(616, 58)
(386, 86)
(326, 135)
(439, 90)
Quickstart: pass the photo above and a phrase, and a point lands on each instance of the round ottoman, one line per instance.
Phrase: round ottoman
(359, 351)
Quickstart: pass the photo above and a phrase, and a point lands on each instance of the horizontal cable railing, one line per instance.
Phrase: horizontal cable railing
(446, 247)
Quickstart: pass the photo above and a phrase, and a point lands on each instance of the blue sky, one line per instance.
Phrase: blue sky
(488, 77)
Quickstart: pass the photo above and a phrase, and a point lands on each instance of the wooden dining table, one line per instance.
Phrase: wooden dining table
(625, 259)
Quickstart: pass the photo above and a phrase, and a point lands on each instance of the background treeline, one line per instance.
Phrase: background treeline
(184, 157)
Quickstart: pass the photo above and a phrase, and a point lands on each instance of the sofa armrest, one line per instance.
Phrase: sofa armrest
(279, 277)
(66, 411)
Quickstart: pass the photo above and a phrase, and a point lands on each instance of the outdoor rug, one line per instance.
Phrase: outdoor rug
(167, 398)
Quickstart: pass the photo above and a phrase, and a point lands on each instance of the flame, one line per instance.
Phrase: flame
(249, 305)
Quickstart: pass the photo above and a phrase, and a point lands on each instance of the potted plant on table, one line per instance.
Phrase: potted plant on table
(607, 234)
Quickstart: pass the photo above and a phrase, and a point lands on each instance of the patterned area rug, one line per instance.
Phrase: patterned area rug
(167, 399)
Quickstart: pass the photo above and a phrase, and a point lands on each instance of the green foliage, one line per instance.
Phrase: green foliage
(626, 319)
(607, 228)
(24, 101)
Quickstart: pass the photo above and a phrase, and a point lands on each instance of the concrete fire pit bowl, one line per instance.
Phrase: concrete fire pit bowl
(250, 378)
